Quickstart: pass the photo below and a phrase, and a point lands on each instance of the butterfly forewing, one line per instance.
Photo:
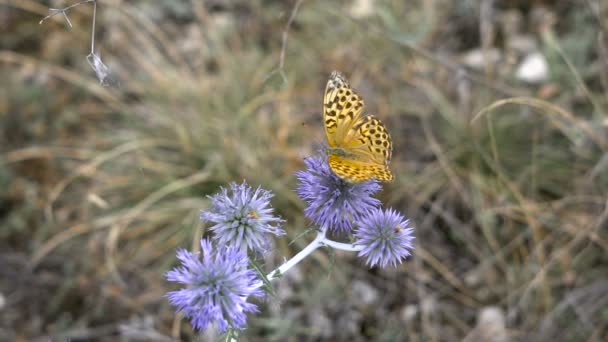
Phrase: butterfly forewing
(342, 108)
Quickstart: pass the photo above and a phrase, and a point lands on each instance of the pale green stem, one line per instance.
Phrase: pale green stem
(319, 241)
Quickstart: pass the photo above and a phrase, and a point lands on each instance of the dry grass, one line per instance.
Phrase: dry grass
(506, 182)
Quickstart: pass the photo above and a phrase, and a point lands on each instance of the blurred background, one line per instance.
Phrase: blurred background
(498, 113)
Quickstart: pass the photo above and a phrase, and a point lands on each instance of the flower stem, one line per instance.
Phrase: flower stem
(341, 246)
(319, 241)
(316, 243)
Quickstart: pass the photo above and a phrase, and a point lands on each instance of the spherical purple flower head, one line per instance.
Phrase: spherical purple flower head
(243, 218)
(334, 203)
(219, 284)
(385, 236)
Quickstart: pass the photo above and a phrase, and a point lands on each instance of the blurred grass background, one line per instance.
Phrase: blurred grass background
(505, 178)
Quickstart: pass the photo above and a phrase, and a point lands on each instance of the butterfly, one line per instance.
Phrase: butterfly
(360, 147)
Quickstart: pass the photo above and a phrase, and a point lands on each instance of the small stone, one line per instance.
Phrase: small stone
(533, 69)
(490, 326)
(409, 312)
(479, 58)
(362, 8)
(472, 278)
(364, 293)
(323, 326)
(428, 306)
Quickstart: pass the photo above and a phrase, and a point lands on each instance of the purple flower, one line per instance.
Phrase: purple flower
(219, 284)
(332, 202)
(385, 236)
(243, 218)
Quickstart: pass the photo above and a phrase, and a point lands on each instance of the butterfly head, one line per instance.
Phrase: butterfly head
(337, 80)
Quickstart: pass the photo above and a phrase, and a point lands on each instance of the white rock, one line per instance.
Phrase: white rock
(428, 306)
(533, 69)
(490, 326)
(323, 326)
(478, 58)
(362, 8)
(364, 292)
(409, 312)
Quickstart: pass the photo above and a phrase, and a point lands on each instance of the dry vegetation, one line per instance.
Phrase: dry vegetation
(506, 181)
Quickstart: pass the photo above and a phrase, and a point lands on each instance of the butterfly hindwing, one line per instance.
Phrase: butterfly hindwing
(358, 171)
(376, 138)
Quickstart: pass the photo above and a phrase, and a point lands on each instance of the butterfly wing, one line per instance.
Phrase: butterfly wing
(358, 171)
(342, 108)
(369, 140)
(364, 141)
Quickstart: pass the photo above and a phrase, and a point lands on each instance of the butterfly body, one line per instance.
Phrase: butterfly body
(359, 146)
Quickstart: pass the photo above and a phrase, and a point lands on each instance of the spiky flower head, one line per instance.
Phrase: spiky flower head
(243, 217)
(333, 203)
(219, 283)
(386, 237)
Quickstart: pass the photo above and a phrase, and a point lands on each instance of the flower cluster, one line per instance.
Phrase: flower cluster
(243, 217)
(219, 284)
(334, 203)
(219, 280)
(384, 236)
